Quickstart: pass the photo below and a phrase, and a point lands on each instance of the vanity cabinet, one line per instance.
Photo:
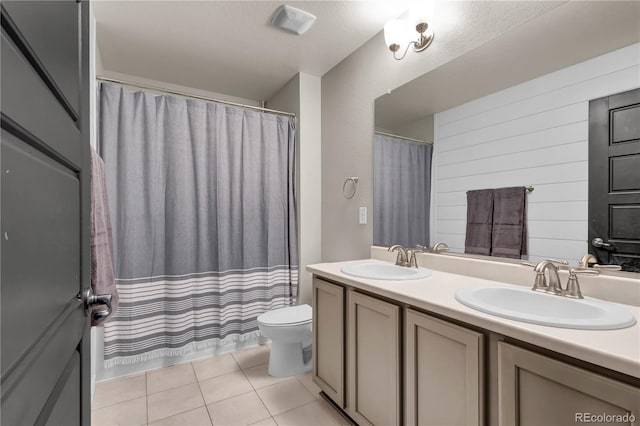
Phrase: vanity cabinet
(444, 372)
(328, 339)
(373, 366)
(387, 363)
(534, 389)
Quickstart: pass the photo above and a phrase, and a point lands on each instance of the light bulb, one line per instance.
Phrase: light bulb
(397, 32)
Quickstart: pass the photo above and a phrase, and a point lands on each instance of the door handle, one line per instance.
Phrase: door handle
(93, 301)
(599, 243)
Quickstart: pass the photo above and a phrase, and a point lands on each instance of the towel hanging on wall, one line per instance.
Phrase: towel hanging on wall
(479, 222)
(509, 235)
(497, 222)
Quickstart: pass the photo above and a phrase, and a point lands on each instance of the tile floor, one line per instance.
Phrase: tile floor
(229, 389)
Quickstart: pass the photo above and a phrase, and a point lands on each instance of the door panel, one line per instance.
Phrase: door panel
(625, 173)
(29, 103)
(49, 29)
(444, 372)
(63, 412)
(40, 212)
(328, 339)
(614, 179)
(537, 390)
(45, 213)
(373, 369)
(625, 124)
(622, 222)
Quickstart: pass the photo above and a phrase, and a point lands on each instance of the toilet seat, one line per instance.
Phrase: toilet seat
(292, 315)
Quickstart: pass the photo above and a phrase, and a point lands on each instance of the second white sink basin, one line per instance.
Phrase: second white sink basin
(385, 271)
(523, 304)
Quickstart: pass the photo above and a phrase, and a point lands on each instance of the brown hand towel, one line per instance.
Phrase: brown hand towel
(479, 222)
(102, 280)
(509, 222)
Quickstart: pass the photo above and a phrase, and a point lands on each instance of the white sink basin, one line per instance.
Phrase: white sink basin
(385, 271)
(523, 304)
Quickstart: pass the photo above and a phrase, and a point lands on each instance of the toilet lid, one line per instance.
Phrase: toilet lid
(287, 316)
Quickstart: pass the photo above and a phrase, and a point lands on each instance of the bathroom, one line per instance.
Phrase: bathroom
(499, 97)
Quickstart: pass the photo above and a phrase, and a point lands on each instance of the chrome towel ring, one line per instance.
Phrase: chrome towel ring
(354, 181)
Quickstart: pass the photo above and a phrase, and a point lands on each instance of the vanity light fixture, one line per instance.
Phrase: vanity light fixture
(413, 32)
(398, 33)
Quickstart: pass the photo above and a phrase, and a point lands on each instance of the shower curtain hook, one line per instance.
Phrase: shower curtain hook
(354, 180)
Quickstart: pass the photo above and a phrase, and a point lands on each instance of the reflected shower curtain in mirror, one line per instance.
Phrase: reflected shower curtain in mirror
(203, 206)
(401, 191)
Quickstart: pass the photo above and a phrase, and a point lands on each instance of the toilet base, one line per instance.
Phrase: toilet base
(288, 359)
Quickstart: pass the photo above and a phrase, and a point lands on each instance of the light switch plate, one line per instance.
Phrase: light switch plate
(362, 216)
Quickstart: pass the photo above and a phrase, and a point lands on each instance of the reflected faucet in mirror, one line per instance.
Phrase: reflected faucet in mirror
(435, 248)
(589, 260)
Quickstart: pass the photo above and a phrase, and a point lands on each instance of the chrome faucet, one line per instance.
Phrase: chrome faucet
(540, 284)
(573, 287)
(439, 246)
(586, 260)
(435, 248)
(402, 258)
(589, 259)
(554, 286)
(413, 262)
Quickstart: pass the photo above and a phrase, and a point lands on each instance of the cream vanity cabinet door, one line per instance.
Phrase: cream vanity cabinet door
(373, 366)
(444, 381)
(328, 339)
(537, 390)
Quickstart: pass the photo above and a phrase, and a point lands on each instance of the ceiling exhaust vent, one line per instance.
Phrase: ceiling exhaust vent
(293, 20)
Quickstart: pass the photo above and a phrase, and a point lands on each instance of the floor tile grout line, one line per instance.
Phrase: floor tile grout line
(265, 406)
(290, 379)
(117, 402)
(204, 400)
(176, 387)
(248, 380)
(295, 408)
(146, 397)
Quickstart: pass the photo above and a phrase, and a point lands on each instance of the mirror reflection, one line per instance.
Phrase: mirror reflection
(489, 144)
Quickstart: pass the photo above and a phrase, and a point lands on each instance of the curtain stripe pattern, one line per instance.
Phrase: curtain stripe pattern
(202, 202)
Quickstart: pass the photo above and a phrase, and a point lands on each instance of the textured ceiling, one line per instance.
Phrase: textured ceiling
(229, 46)
(571, 33)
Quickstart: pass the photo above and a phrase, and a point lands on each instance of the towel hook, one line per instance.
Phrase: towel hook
(354, 180)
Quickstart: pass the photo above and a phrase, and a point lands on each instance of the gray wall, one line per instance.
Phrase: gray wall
(419, 129)
(301, 95)
(348, 93)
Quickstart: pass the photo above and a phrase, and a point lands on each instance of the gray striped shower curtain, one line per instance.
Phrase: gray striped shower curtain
(202, 203)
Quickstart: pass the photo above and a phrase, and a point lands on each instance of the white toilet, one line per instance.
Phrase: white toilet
(290, 332)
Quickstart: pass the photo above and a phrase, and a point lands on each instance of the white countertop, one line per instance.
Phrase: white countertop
(617, 350)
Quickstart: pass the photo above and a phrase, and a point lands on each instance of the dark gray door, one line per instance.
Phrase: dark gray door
(614, 179)
(45, 213)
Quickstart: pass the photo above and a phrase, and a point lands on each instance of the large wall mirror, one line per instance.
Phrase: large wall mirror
(521, 119)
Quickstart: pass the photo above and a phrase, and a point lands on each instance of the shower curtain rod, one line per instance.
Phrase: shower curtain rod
(191, 95)
(402, 137)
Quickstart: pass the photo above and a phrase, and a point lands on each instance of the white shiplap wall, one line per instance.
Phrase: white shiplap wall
(535, 133)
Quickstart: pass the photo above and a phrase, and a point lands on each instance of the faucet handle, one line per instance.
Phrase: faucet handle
(413, 262)
(559, 262)
(573, 287)
(402, 258)
(422, 248)
(608, 267)
(528, 264)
